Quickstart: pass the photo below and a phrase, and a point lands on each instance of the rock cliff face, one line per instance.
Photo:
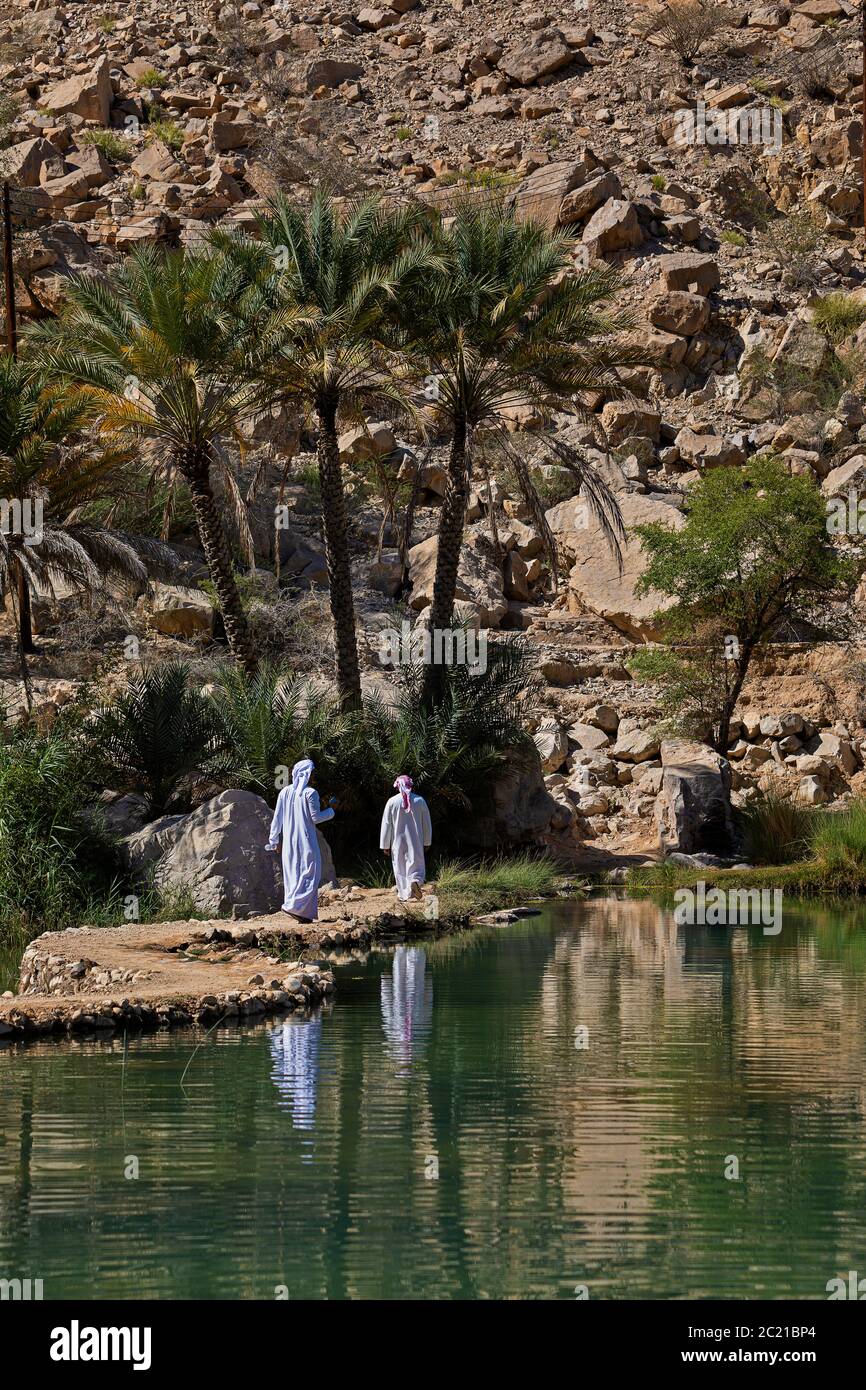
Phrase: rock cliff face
(725, 191)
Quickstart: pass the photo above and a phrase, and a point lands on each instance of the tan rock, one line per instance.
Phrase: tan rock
(180, 612)
(613, 227)
(604, 588)
(87, 94)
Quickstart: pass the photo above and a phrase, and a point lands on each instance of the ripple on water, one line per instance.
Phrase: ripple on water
(443, 1131)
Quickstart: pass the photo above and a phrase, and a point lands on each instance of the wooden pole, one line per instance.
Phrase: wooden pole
(9, 276)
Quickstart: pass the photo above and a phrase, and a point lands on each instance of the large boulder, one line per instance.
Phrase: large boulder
(331, 72)
(87, 94)
(22, 163)
(613, 227)
(518, 809)
(177, 611)
(217, 852)
(582, 202)
(551, 740)
(606, 585)
(542, 194)
(529, 62)
(693, 806)
(479, 582)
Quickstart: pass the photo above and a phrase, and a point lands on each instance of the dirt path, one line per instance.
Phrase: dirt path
(166, 974)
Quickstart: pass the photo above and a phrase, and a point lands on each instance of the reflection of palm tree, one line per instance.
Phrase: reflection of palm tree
(295, 1072)
(407, 1002)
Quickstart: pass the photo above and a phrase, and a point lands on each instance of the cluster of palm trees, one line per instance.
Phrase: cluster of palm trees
(337, 309)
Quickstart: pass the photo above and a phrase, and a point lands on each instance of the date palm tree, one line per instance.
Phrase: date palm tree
(347, 266)
(51, 471)
(163, 351)
(509, 325)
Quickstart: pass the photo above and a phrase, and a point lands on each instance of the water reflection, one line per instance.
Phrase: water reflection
(301, 1154)
(295, 1047)
(407, 1003)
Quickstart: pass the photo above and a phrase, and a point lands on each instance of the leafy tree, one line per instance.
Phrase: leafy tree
(163, 350)
(507, 325)
(753, 560)
(343, 268)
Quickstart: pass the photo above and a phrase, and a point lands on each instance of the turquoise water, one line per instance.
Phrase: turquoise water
(437, 1133)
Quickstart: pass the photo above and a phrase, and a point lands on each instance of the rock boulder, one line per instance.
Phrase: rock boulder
(218, 853)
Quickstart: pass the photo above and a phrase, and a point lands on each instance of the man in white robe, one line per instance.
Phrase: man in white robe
(297, 814)
(406, 833)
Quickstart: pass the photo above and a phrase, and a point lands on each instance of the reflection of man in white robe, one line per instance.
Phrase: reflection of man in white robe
(406, 832)
(297, 814)
(295, 1071)
(407, 1001)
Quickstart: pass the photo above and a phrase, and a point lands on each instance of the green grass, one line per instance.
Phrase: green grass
(465, 887)
(832, 845)
(169, 132)
(152, 77)
(837, 315)
(776, 829)
(733, 238)
(492, 883)
(839, 842)
(659, 182)
(112, 145)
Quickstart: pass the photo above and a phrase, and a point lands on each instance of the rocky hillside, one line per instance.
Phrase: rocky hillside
(722, 179)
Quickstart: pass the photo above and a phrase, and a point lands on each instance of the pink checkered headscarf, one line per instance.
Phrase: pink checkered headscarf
(403, 785)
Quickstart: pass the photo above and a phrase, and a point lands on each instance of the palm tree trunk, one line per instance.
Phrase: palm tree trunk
(450, 543)
(196, 470)
(25, 613)
(337, 553)
(405, 544)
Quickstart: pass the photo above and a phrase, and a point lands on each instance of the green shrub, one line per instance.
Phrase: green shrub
(839, 842)
(776, 830)
(158, 739)
(838, 315)
(112, 145)
(152, 77)
(168, 131)
(54, 863)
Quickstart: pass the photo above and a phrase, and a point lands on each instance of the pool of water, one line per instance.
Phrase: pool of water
(511, 1113)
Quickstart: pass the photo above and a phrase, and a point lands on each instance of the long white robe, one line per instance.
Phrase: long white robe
(297, 814)
(407, 1002)
(406, 834)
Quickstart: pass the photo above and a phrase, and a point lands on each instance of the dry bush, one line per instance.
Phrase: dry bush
(684, 25)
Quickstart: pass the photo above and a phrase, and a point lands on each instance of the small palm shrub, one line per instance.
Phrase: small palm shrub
(269, 721)
(452, 749)
(158, 738)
